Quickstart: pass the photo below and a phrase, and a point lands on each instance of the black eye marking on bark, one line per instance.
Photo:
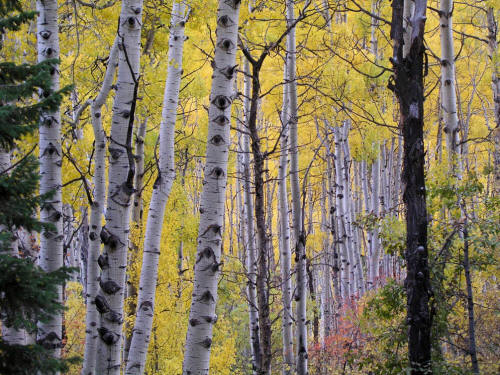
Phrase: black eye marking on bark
(109, 286)
(45, 34)
(107, 336)
(221, 120)
(225, 21)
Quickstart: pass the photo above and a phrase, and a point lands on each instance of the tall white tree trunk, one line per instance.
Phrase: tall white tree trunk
(448, 93)
(495, 86)
(161, 191)
(251, 260)
(137, 211)
(374, 243)
(202, 314)
(51, 242)
(96, 215)
(298, 224)
(285, 251)
(114, 235)
(356, 265)
(340, 218)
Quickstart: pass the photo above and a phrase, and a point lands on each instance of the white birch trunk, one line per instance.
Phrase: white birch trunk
(161, 192)
(285, 251)
(448, 93)
(137, 210)
(298, 224)
(96, 213)
(340, 218)
(495, 86)
(51, 242)
(251, 251)
(202, 314)
(114, 235)
(374, 243)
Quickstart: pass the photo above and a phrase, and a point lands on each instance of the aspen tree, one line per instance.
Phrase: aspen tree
(495, 86)
(297, 213)
(285, 251)
(51, 241)
(448, 91)
(202, 314)
(251, 261)
(96, 215)
(356, 265)
(161, 191)
(114, 235)
(137, 210)
(374, 240)
(345, 287)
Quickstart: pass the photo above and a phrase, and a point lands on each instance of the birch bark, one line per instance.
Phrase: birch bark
(340, 219)
(202, 315)
(96, 215)
(51, 242)
(495, 85)
(251, 261)
(374, 243)
(298, 224)
(161, 192)
(110, 298)
(137, 210)
(286, 254)
(448, 93)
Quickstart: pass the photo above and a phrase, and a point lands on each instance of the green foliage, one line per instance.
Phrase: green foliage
(29, 360)
(27, 288)
(384, 319)
(18, 199)
(18, 114)
(393, 236)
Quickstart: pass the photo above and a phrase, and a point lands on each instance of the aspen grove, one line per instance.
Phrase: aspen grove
(256, 187)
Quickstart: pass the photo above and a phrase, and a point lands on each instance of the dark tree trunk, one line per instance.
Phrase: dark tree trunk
(407, 84)
(470, 302)
(264, 367)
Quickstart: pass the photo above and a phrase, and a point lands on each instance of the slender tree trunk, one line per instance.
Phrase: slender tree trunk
(357, 266)
(340, 216)
(202, 315)
(137, 210)
(298, 223)
(251, 260)
(114, 235)
(326, 291)
(263, 269)
(51, 241)
(96, 213)
(286, 255)
(161, 192)
(470, 302)
(448, 92)
(374, 243)
(409, 88)
(495, 85)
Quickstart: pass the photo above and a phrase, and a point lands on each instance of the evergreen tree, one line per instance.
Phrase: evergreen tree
(27, 293)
